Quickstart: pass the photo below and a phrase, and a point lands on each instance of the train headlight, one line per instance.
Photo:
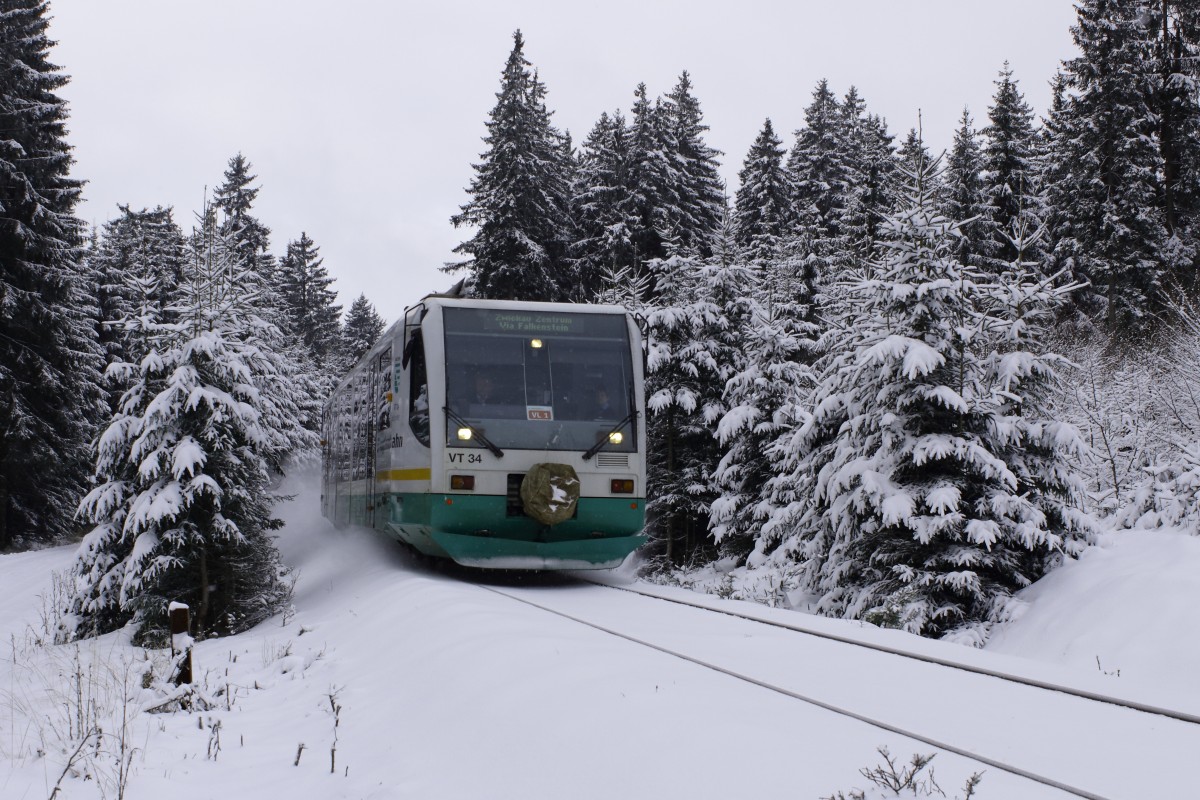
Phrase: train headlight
(616, 437)
(462, 483)
(465, 434)
(621, 486)
(536, 344)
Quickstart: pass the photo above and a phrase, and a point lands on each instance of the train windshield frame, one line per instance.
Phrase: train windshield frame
(539, 380)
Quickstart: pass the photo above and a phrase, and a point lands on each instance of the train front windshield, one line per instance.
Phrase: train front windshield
(537, 380)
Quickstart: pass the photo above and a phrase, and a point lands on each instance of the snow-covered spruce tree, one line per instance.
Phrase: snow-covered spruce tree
(303, 378)
(777, 339)
(251, 238)
(182, 506)
(817, 162)
(871, 166)
(762, 210)
(693, 349)
(309, 320)
(819, 166)
(646, 190)
(1174, 28)
(727, 282)
(138, 262)
(520, 196)
(292, 387)
(601, 206)
(1011, 171)
(701, 207)
(933, 484)
(50, 395)
(307, 302)
(1105, 164)
(362, 328)
(107, 281)
(1056, 180)
(623, 287)
(964, 198)
(912, 157)
(655, 182)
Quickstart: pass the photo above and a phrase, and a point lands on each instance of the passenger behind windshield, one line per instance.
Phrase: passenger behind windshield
(602, 406)
(485, 390)
(489, 396)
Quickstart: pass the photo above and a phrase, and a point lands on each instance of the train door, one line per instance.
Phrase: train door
(380, 423)
(345, 455)
(358, 462)
(328, 490)
(417, 408)
(369, 456)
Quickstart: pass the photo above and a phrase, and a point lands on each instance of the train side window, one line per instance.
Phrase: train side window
(383, 390)
(418, 394)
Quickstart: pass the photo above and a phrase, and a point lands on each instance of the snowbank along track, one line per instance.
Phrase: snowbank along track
(941, 744)
(1134, 705)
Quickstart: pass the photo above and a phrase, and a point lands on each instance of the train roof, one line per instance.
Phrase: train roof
(580, 308)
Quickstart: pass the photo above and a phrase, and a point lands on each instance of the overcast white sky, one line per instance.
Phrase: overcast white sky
(362, 119)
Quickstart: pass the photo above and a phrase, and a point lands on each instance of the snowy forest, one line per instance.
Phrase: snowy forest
(899, 384)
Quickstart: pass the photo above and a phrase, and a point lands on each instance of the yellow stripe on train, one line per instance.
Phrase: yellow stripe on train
(421, 474)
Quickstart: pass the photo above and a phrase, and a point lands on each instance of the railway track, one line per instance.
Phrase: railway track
(1011, 677)
(1053, 711)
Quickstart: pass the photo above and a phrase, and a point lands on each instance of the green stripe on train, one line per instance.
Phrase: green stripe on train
(490, 551)
(475, 529)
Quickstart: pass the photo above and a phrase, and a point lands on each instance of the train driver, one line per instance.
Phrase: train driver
(485, 390)
(601, 408)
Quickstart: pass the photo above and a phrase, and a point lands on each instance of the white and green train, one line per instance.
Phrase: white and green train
(496, 433)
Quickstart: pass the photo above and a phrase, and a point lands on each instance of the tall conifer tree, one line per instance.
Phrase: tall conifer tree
(777, 336)
(817, 162)
(914, 158)
(933, 485)
(520, 196)
(602, 205)
(702, 193)
(361, 330)
(1010, 171)
(50, 397)
(1062, 245)
(182, 507)
(964, 200)
(1175, 31)
(251, 239)
(763, 204)
(871, 167)
(819, 167)
(1107, 166)
(655, 180)
(691, 354)
(307, 301)
(138, 259)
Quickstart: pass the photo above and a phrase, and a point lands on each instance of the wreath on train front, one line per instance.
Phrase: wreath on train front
(549, 493)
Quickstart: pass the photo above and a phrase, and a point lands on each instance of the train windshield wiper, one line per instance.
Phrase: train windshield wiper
(591, 451)
(483, 440)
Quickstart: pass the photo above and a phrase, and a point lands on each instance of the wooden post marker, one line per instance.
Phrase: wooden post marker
(181, 640)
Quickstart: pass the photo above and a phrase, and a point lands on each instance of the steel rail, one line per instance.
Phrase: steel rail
(945, 746)
(1181, 716)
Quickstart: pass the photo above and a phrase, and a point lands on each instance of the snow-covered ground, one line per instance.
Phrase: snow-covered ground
(430, 687)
